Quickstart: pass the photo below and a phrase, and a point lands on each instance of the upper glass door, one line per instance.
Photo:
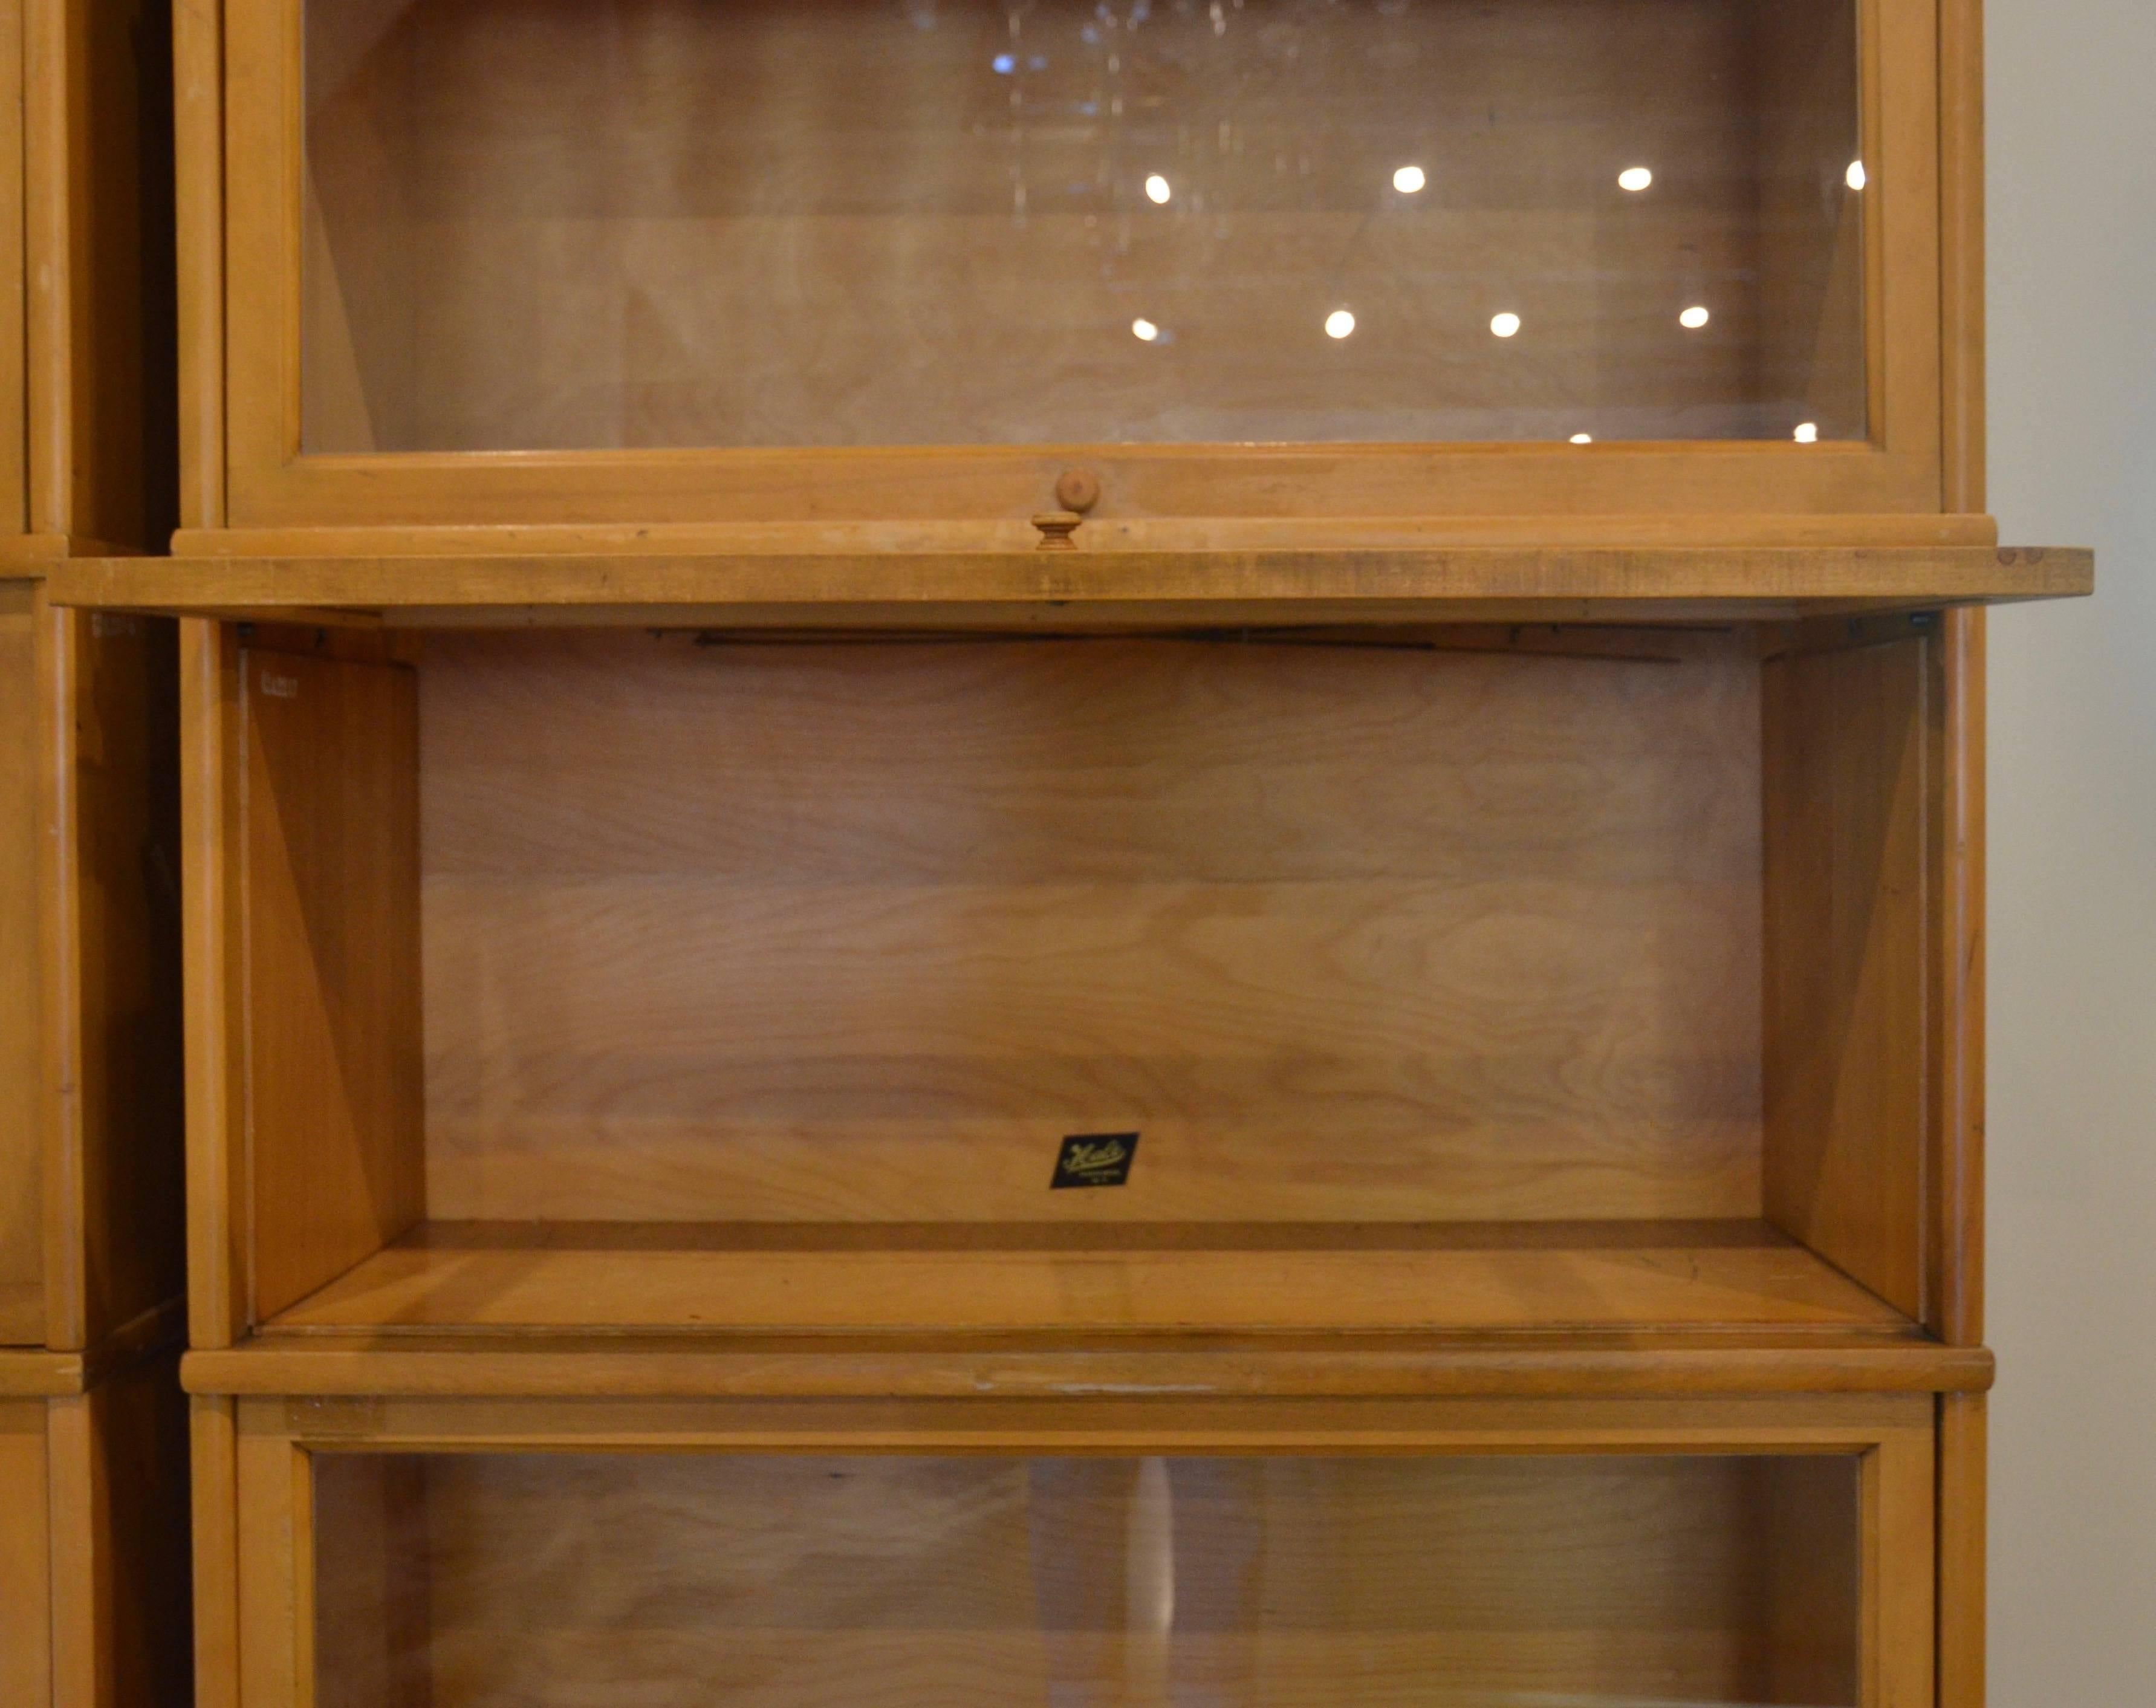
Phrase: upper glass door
(572, 225)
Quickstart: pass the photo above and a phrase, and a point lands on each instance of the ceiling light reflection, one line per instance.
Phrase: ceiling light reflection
(1635, 178)
(1504, 324)
(1143, 330)
(1339, 324)
(1157, 188)
(1408, 180)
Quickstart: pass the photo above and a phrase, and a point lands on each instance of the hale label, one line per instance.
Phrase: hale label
(1093, 1159)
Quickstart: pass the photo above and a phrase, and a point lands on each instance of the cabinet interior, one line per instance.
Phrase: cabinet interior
(1460, 980)
(585, 224)
(1475, 1582)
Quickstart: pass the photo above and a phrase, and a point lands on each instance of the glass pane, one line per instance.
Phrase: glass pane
(795, 1582)
(586, 223)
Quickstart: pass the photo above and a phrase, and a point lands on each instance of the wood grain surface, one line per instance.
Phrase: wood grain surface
(21, 1101)
(1281, 1581)
(860, 932)
(331, 849)
(673, 1278)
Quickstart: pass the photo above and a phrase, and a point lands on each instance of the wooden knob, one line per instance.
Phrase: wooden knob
(1078, 489)
(1056, 527)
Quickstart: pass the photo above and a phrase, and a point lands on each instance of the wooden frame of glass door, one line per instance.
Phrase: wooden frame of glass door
(249, 488)
(256, 1458)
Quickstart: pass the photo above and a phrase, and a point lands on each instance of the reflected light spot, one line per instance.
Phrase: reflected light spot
(1635, 178)
(1854, 176)
(1003, 65)
(1339, 324)
(1808, 433)
(1693, 318)
(1157, 189)
(1144, 330)
(1582, 438)
(1408, 179)
(1504, 324)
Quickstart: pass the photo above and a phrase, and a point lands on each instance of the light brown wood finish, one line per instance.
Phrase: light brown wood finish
(199, 133)
(289, 1451)
(14, 282)
(213, 1519)
(113, 1097)
(964, 252)
(212, 760)
(94, 1607)
(329, 865)
(1954, 968)
(266, 207)
(1629, 1363)
(860, 932)
(25, 1560)
(98, 214)
(506, 1276)
(1963, 1454)
(22, 1131)
(1849, 764)
(1126, 589)
(1293, 1581)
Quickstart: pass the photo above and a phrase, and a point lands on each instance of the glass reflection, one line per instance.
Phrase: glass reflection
(567, 223)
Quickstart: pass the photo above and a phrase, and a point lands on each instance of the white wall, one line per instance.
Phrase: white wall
(2071, 112)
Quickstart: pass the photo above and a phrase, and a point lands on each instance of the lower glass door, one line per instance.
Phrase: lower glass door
(449, 1579)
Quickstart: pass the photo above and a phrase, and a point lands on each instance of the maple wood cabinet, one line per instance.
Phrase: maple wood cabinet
(1125, 853)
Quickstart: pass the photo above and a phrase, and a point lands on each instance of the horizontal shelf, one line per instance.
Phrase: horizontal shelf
(1492, 1281)
(30, 1373)
(1575, 1366)
(1077, 588)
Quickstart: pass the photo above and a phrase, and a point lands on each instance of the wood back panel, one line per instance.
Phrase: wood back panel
(772, 226)
(860, 932)
(550, 1579)
(21, 1101)
(331, 850)
(1850, 768)
(102, 335)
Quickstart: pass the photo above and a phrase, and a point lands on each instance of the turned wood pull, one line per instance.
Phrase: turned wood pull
(1056, 527)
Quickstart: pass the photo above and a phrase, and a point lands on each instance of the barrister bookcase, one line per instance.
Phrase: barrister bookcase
(93, 1470)
(1118, 854)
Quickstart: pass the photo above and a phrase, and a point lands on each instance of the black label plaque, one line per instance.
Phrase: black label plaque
(1093, 1159)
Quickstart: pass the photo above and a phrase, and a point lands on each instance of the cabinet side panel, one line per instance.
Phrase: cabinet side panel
(21, 1144)
(117, 1077)
(14, 433)
(332, 953)
(1963, 1443)
(106, 288)
(25, 1570)
(1846, 1079)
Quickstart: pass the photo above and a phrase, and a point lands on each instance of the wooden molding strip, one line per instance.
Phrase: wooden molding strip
(1032, 588)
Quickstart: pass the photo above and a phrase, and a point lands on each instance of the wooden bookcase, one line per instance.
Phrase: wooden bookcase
(94, 1469)
(738, 712)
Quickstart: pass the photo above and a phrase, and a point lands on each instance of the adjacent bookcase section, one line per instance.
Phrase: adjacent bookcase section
(94, 1510)
(1457, 981)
